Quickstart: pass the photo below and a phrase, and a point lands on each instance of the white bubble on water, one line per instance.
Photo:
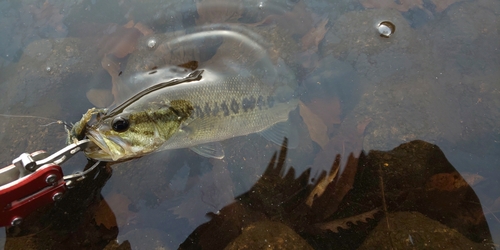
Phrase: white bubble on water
(386, 29)
(152, 43)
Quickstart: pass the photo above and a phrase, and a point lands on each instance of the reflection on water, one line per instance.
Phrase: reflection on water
(328, 216)
(367, 98)
(381, 199)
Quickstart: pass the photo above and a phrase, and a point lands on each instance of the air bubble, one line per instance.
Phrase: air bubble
(151, 43)
(261, 5)
(386, 29)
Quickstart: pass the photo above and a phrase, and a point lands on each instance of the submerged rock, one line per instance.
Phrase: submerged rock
(413, 230)
(268, 235)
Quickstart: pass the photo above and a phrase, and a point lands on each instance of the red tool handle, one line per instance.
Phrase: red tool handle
(25, 195)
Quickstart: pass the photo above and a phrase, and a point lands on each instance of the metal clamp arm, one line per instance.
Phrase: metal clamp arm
(35, 180)
(22, 197)
(29, 163)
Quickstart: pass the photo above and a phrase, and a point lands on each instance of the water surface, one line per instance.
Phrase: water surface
(418, 110)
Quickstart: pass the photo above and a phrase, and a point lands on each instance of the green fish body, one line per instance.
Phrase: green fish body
(192, 114)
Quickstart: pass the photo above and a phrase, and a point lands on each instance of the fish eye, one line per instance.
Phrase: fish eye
(120, 124)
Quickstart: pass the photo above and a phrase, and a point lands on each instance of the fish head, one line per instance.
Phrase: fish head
(126, 136)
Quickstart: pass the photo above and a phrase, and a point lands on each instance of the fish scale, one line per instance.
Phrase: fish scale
(194, 113)
(207, 127)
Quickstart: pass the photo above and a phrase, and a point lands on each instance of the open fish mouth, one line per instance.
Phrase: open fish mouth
(105, 149)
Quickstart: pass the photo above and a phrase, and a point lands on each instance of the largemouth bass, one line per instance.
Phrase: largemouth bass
(197, 113)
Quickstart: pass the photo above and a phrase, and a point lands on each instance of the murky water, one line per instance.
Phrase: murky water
(410, 89)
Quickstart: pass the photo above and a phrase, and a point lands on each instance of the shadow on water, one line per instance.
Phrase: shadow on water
(381, 200)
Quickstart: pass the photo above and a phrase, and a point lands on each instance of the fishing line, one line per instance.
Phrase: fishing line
(55, 121)
(50, 123)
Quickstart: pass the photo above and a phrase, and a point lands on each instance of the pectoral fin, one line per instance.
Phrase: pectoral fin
(211, 150)
(279, 131)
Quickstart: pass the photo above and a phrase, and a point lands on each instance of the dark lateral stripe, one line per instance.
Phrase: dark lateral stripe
(215, 110)
(155, 116)
(198, 111)
(248, 103)
(207, 109)
(148, 133)
(142, 132)
(235, 107)
(225, 108)
(260, 102)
